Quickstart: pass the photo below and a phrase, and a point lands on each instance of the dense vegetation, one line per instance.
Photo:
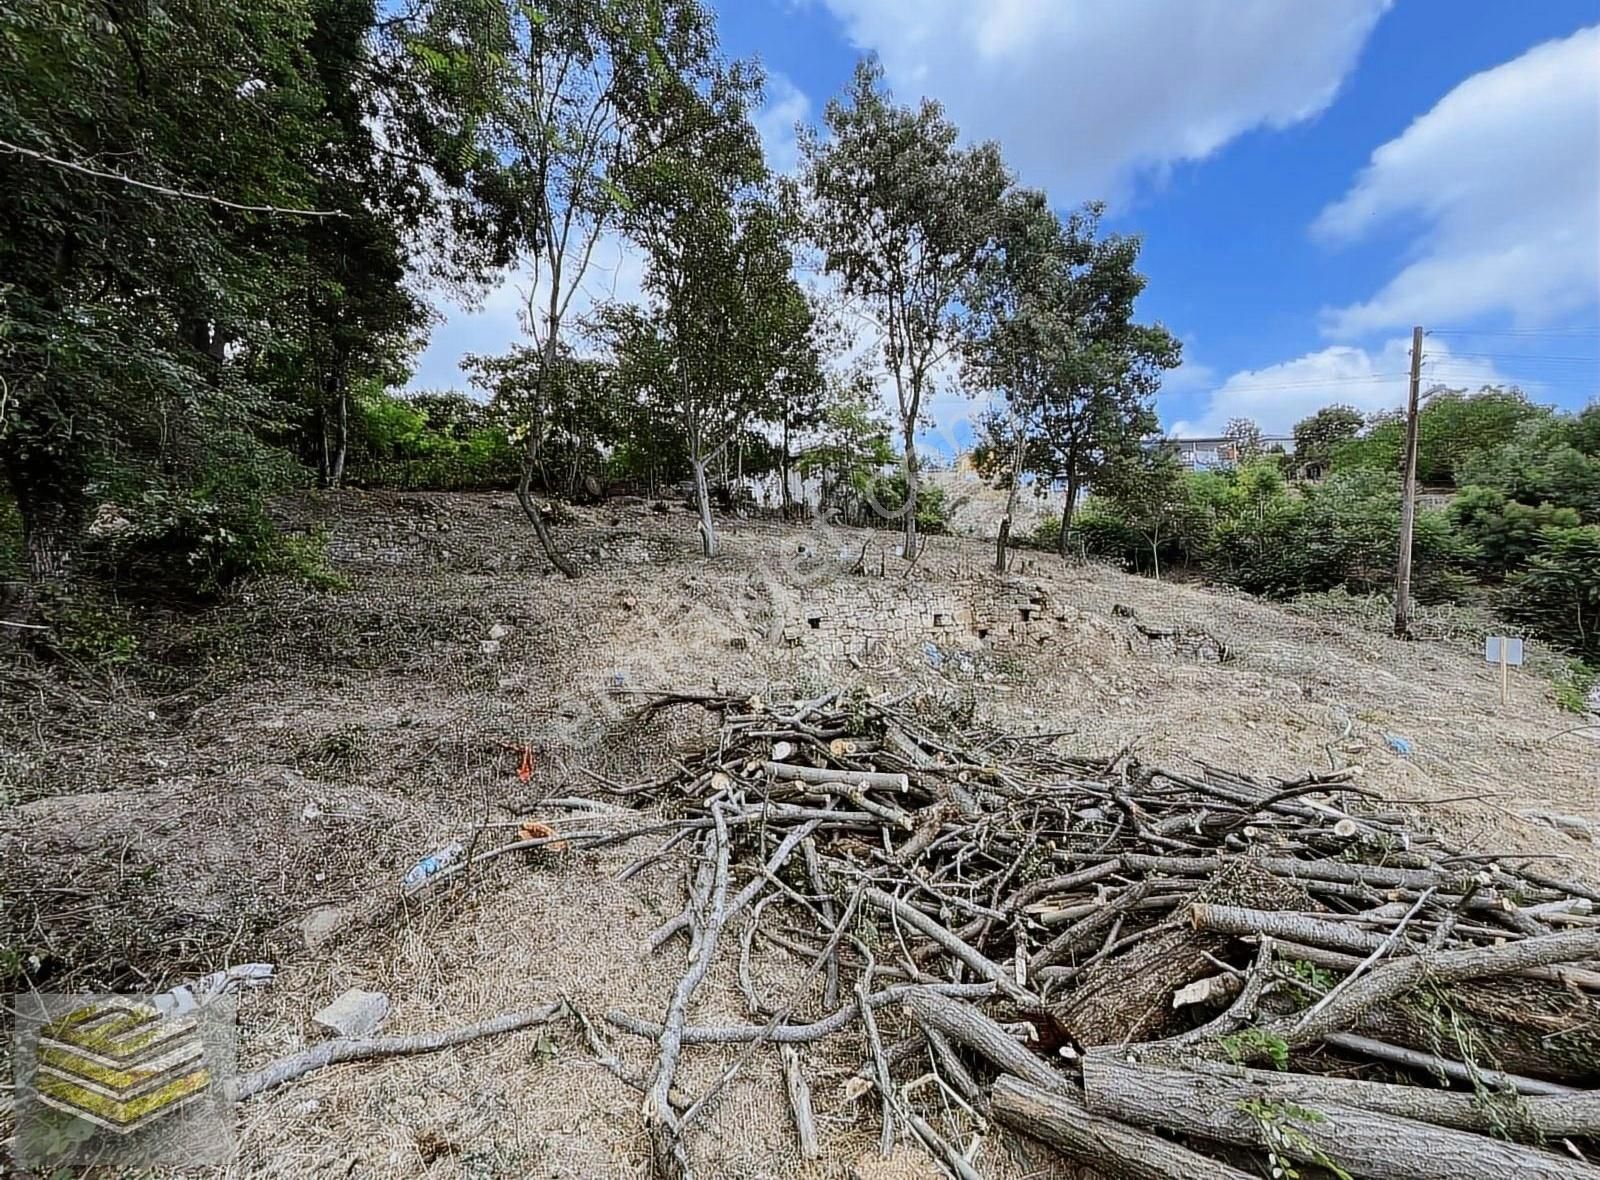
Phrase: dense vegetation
(1521, 529)
(221, 228)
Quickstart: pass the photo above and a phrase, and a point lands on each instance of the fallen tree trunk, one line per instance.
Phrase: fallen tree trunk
(1367, 1143)
(1112, 1149)
(967, 1026)
(827, 777)
(1527, 1118)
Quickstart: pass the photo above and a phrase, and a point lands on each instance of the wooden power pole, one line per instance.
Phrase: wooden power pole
(1408, 496)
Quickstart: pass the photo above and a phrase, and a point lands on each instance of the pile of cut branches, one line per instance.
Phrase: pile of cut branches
(1158, 973)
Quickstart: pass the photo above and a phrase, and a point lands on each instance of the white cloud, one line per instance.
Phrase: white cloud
(1084, 97)
(1505, 172)
(786, 105)
(616, 273)
(1278, 396)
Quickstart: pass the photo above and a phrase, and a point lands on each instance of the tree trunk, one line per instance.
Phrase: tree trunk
(541, 527)
(783, 473)
(341, 438)
(47, 547)
(708, 528)
(1068, 509)
(1229, 1110)
(1109, 1148)
(909, 544)
(324, 460)
(1526, 1119)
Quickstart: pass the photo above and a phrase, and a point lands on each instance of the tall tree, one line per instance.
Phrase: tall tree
(207, 218)
(1020, 331)
(1246, 438)
(902, 216)
(1316, 435)
(1057, 337)
(600, 90)
(132, 139)
(737, 326)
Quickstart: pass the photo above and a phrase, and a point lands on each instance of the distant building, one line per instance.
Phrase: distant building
(1220, 453)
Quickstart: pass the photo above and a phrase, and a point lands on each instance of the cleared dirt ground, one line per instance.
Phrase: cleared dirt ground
(307, 747)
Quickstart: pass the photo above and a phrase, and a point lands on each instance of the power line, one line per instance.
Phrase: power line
(161, 189)
(1523, 356)
(1514, 332)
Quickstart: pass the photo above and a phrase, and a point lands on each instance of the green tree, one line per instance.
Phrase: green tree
(1506, 533)
(902, 216)
(1316, 436)
(597, 91)
(735, 325)
(1055, 334)
(121, 298)
(1146, 487)
(850, 451)
(1558, 593)
(1245, 436)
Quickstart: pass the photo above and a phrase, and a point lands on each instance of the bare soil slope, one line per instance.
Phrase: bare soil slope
(310, 746)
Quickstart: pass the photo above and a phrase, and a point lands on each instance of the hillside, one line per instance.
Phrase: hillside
(263, 802)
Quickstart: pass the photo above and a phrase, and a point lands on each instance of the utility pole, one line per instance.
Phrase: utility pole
(1408, 497)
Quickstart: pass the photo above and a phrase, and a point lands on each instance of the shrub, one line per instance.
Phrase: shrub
(195, 544)
(888, 493)
(1558, 593)
(1505, 533)
(1574, 686)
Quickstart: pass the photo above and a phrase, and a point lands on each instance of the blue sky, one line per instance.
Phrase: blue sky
(1309, 179)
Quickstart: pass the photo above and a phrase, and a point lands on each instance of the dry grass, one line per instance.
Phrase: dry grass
(153, 834)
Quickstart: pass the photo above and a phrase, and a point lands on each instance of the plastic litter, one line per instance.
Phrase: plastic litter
(429, 865)
(197, 993)
(1400, 745)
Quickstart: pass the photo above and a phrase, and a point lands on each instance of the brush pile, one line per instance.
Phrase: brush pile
(1158, 973)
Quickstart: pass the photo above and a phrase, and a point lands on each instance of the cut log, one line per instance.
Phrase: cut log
(823, 777)
(1112, 1149)
(805, 1124)
(965, 1025)
(1528, 1119)
(1128, 996)
(1366, 1143)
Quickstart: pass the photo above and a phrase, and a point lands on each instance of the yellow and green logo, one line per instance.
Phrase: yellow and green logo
(120, 1064)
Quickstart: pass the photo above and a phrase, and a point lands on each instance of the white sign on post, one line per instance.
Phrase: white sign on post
(1497, 649)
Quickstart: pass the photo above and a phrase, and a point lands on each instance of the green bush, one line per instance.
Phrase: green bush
(12, 565)
(196, 543)
(1506, 533)
(87, 625)
(1574, 684)
(1558, 593)
(888, 493)
(1102, 533)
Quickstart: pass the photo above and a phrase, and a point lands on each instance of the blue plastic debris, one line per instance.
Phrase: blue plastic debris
(934, 656)
(1400, 745)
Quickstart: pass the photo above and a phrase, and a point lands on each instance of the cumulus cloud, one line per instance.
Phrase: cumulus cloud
(1278, 396)
(786, 105)
(1505, 174)
(1084, 97)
